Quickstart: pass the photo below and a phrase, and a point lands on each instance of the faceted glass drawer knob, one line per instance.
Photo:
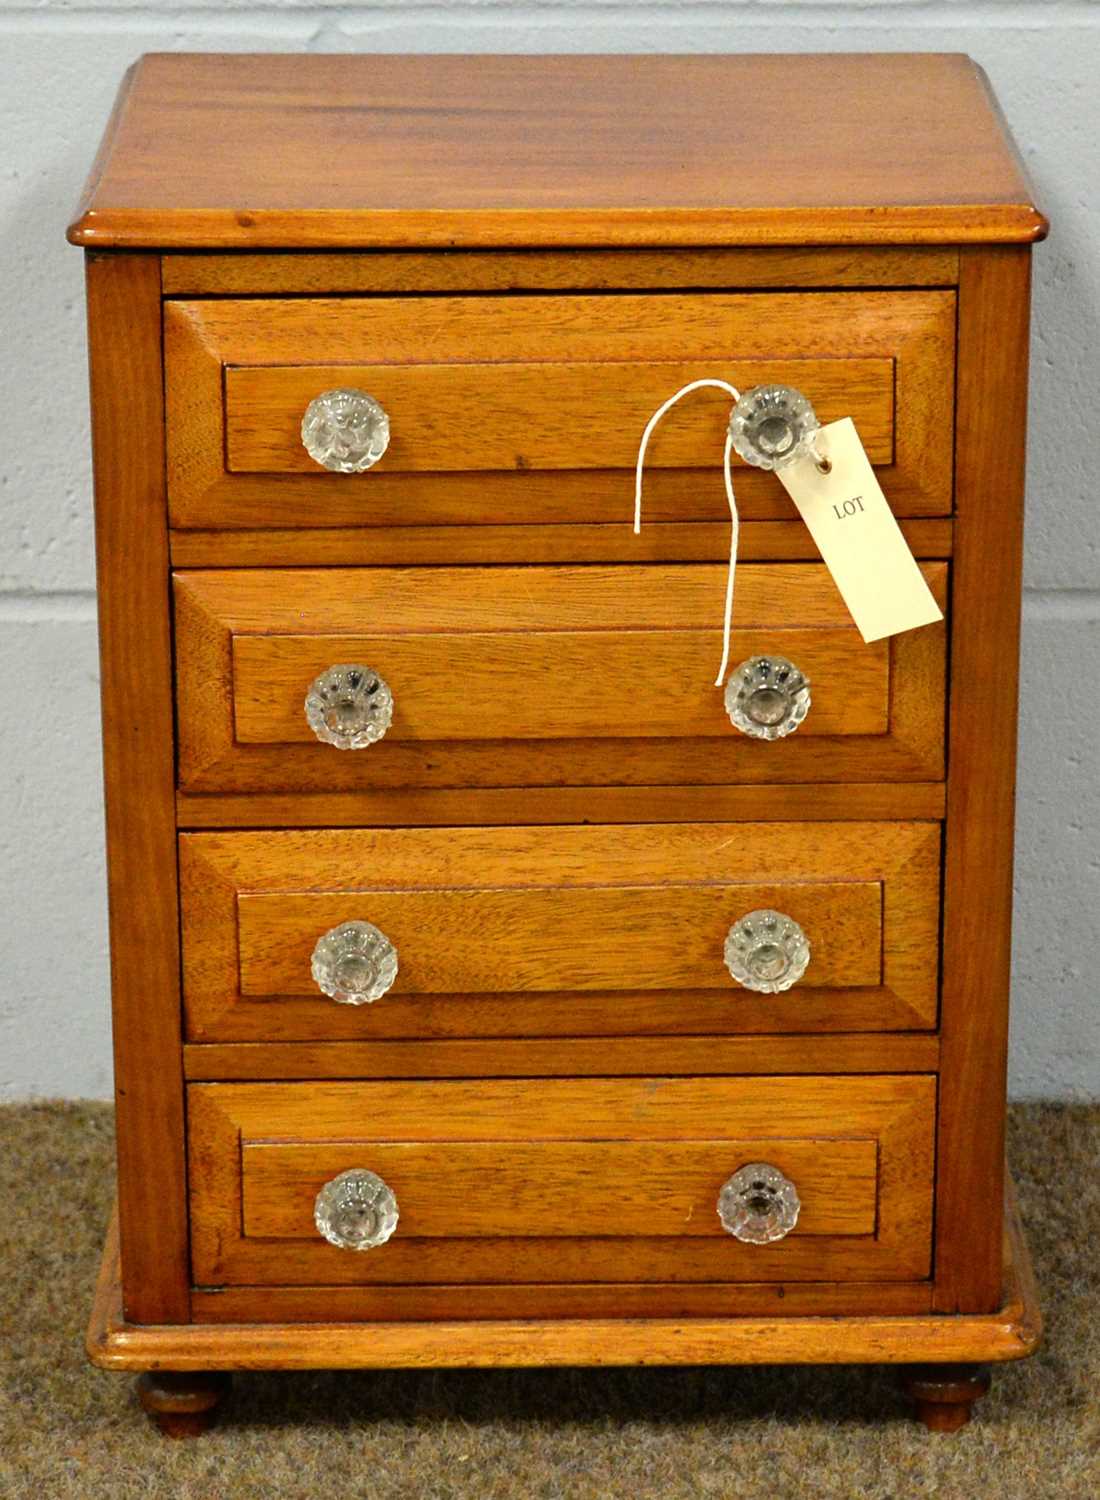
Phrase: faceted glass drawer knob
(772, 425)
(767, 951)
(758, 1204)
(354, 963)
(349, 706)
(345, 430)
(356, 1210)
(767, 697)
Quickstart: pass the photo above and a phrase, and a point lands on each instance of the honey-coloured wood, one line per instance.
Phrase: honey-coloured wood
(124, 349)
(648, 1050)
(548, 676)
(561, 823)
(559, 931)
(252, 1224)
(1012, 1331)
(520, 415)
(243, 274)
(554, 393)
(665, 541)
(233, 152)
(552, 684)
(542, 939)
(542, 1301)
(993, 357)
(558, 1189)
(898, 801)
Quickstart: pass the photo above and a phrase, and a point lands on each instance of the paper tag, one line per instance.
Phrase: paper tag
(857, 536)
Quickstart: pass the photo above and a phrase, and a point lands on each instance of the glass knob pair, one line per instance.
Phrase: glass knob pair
(355, 963)
(357, 1210)
(347, 431)
(351, 706)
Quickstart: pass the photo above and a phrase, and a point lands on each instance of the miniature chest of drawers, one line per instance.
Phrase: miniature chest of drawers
(484, 991)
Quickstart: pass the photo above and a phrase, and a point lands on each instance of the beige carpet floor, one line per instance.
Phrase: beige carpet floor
(67, 1430)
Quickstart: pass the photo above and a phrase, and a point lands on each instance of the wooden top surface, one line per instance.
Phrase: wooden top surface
(333, 151)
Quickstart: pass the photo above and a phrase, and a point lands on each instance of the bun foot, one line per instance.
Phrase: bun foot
(943, 1395)
(183, 1404)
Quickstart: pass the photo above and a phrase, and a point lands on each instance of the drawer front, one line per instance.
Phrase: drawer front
(556, 1189)
(559, 931)
(603, 938)
(542, 676)
(528, 409)
(563, 1180)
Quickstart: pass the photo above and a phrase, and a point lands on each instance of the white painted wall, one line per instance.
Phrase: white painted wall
(60, 61)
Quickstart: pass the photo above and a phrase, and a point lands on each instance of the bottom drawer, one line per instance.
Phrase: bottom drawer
(562, 1182)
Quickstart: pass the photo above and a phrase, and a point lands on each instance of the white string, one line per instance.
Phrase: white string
(727, 475)
(727, 621)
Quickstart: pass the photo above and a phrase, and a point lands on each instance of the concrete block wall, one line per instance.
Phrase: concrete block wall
(60, 62)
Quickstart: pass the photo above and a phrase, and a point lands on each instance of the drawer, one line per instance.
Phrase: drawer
(578, 931)
(529, 409)
(541, 677)
(559, 1181)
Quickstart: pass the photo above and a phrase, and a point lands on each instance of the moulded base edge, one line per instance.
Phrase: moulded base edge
(1012, 1332)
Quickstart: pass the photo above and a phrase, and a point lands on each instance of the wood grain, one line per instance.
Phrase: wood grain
(890, 801)
(124, 346)
(551, 283)
(579, 1056)
(896, 1112)
(236, 886)
(549, 684)
(379, 271)
(760, 1336)
(993, 355)
(535, 608)
(227, 152)
(617, 937)
(454, 418)
(552, 1189)
(664, 541)
(388, 1304)
(782, 335)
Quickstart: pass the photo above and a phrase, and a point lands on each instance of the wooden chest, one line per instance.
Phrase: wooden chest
(448, 1026)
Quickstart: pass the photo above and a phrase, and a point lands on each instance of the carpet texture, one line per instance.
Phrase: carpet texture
(67, 1430)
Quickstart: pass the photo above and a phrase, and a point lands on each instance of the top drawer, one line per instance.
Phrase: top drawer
(529, 409)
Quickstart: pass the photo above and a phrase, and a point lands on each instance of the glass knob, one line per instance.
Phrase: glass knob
(758, 1204)
(767, 951)
(356, 1210)
(349, 706)
(767, 697)
(345, 430)
(772, 425)
(354, 963)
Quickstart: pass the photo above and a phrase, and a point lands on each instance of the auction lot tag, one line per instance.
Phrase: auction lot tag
(857, 536)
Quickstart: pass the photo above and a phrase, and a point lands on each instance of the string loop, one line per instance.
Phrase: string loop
(727, 475)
